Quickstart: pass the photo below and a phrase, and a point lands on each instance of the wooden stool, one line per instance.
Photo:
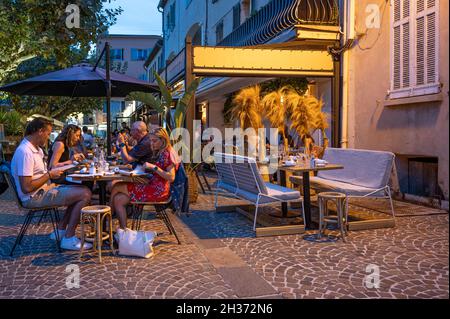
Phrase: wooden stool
(95, 216)
(342, 215)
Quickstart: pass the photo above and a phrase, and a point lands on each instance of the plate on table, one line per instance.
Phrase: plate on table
(289, 164)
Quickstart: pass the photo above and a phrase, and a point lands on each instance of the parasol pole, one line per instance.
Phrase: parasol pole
(108, 100)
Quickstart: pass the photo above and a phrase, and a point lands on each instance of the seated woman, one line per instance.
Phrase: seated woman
(158, 188)
(59, 154)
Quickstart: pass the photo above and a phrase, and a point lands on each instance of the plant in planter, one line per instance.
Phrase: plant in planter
(276, 111)
(247, 111)
(247, 108)
(306, 117)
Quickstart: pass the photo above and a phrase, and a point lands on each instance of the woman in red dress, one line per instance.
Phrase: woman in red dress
(158, 188)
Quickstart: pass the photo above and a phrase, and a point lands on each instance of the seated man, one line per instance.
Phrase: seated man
(35, 189)
(142, 151)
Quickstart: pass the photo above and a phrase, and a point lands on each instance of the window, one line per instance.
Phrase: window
(171, 17)
(116, 54)
(236, 16)
(414, 43)
(219, 32)
(139, 54)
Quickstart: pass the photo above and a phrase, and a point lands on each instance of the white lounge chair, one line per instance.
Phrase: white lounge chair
(240, 176)
(366, 174)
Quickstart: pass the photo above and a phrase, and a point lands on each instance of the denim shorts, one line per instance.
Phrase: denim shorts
(55, 196)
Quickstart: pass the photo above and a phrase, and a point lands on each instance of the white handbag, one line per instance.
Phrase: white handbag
(136, 243)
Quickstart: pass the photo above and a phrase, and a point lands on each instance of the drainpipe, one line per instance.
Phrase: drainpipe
(349, 34)
(163, 58)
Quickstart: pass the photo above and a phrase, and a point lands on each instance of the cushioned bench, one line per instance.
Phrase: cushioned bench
(366, 173)
(240, 176)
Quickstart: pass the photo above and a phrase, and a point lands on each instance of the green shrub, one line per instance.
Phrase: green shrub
(14, 122)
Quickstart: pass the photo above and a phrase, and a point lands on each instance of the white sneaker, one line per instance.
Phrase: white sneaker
(73, 243)
(61, 233)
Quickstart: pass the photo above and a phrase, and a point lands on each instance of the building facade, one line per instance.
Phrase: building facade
(393, 65)
(398, 84)
(128, 54)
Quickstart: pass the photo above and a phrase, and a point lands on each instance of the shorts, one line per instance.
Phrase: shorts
(55, 196)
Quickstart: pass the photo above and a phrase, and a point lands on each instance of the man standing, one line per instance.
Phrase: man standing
(32, 179)
(141, 152)
(88, 139)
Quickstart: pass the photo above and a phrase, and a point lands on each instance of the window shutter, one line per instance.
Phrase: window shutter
(397, 83)
(420, 55)
(402, 47)
(431, 48)
(406, 55)
(415, 47)
(397, 10)
(426, 49)
(420, 5)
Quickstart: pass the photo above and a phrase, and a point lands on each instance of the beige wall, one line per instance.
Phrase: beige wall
(135, 68)
(414, 129)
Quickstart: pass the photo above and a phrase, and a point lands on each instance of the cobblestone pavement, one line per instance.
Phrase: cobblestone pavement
(221, 258)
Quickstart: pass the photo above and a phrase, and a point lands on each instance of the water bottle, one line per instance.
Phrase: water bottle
(313, 161)
(101, 162)
(92, 169)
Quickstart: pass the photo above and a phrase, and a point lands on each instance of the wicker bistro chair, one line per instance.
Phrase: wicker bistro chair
(52, 211)
(160, 209)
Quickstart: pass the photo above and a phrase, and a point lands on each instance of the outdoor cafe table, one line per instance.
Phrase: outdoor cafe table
(102, 181)
(305, 171)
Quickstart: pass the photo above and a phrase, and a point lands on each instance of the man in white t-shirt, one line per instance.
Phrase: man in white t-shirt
(32, 179)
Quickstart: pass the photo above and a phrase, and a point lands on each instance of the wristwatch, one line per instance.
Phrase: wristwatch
(121, 145)
(155, 169)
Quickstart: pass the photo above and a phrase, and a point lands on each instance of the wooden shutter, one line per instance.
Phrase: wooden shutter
(426, 44)
(402, 47)
(415, 42)
(431, 48)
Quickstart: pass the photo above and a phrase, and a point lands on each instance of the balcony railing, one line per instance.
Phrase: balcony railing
(280, 15)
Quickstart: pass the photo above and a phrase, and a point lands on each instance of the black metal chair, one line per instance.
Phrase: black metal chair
(51, 211)
(160, 209)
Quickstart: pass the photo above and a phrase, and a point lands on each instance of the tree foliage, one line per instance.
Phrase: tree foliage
(30, 28)
(34, 40)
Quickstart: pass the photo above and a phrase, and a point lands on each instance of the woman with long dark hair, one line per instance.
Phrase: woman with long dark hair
(59, 154)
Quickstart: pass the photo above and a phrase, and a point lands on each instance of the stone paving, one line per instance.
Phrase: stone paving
(221, 258)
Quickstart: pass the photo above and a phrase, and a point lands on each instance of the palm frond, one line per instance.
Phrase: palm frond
(247, 108)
